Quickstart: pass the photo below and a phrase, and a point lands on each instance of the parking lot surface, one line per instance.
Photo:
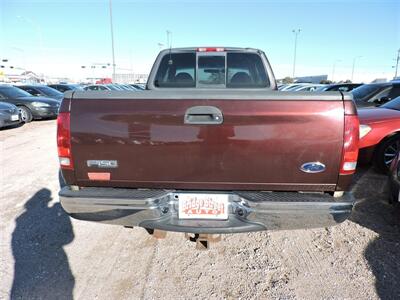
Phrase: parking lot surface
(45, 254)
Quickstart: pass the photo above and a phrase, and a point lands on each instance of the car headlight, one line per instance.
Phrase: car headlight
(364, 129)
(40, 104)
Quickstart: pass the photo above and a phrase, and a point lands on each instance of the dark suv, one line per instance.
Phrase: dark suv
(63, 87)
(375, 94)
(343, 87)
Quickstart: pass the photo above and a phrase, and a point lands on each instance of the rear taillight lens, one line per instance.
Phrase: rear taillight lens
(350, 145)
(64, 140)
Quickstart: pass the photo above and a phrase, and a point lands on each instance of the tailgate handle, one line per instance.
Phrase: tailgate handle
(203, 115)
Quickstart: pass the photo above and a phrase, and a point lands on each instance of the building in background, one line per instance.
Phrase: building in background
(379, 80)
(16, 76)
(311, 79)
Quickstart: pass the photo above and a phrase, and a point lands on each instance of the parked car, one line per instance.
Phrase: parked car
(289, 87)
(209, 147)
(104, 87)
(300, 86)
(128, 87)
(31, 107)
(343, 87)
(63, 87)
(380, 134)
(96, 87)
(138, 86)
(307, 88)
(42, 91)
(375, 94)
(9, 115)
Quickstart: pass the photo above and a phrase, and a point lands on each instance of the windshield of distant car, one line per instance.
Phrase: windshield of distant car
(49, 91)
(393, 104)
(13, 92)
(365, 91)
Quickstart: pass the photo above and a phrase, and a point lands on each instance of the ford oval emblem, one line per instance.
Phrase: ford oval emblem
(313, 167)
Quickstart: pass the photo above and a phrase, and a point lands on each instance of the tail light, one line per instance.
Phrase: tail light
(350, 142)
(64, 140)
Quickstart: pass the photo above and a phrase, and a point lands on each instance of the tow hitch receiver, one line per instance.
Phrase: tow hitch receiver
(203, 240)
(156, 233)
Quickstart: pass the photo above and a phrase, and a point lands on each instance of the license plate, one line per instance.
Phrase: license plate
(14, 117)
(203, 206)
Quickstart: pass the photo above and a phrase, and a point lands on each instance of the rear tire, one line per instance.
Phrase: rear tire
(385, 153)
(26, 115)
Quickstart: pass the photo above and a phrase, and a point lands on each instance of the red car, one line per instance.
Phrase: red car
(380, 134)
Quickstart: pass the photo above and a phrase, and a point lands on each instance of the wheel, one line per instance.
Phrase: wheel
(385, 153)
(26, 115)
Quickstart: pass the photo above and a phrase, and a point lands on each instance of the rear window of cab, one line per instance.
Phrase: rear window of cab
(211, 69)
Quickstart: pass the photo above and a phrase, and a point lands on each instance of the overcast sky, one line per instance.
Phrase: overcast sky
(58, 37)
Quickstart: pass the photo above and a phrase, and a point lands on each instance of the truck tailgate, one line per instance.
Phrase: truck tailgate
(260, 145)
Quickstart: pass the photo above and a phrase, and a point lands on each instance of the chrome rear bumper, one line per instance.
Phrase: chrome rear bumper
(248, 211)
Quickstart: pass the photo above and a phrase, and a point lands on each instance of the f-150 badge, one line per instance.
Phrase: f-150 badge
(103, 164)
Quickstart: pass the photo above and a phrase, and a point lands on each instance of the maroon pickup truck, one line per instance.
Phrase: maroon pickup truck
(210, 147)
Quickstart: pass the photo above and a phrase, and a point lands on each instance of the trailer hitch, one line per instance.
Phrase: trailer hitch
(202, 240)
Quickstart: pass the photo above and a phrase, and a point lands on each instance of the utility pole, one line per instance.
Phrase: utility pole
(112, 42)
(296, 33)
(352, 69)
(397, 63)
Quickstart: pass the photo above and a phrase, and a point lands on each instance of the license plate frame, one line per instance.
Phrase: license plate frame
(202, 206)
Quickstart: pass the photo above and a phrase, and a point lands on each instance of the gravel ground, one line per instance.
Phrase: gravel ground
(45, 254)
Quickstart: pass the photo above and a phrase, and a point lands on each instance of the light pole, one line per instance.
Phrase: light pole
(296, 33)
(333, 69)
(112, 42)
(397, 63)
(352, 69)
(169, 39)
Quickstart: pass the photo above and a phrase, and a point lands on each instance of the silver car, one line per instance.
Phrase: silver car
(9, 115)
